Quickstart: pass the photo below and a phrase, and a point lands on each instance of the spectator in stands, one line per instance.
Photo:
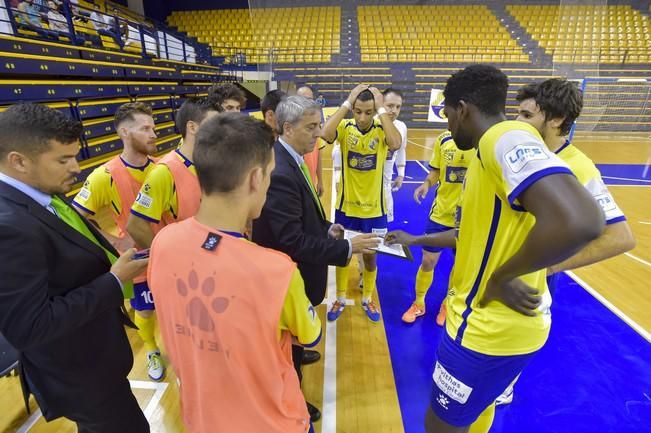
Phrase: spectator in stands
(56, 20)
(107, 25)
(97, 19)
(321, 101)
(229, 96)
(29, 14)
(268, 106)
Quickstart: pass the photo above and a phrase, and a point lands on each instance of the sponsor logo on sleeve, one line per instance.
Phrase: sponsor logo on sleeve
(84, 193)
(518, 157)
(606, 202)
(144, 200)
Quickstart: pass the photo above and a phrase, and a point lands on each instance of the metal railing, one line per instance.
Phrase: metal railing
(82, 26)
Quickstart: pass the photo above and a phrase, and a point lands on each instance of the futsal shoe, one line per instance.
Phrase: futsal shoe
(371, 311)
(440, 317)
(335, 311)
(414, 312)
(155, 367)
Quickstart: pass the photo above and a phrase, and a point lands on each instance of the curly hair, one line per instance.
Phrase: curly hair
(29, 128)
(483, 86)
(222, 92)
(556, 98)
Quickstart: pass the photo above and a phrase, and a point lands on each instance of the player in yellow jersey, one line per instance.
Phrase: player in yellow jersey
(159, 198)
(101, 191)
(360, 204)
(447, 170)
(521, 211)
(551, 107)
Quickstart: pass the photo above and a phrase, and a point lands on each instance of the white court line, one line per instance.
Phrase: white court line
(638, 259)
(417, 144)
(619, 313)
(329, 408)
(30, 422)
(421, 166)
(641, 222)
(159, 390)
(626, 178)
(613, 185)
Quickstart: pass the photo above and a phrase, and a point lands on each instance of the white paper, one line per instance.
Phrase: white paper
(394, 249)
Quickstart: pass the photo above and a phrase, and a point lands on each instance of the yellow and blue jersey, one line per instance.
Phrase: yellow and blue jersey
(363, 155)
(158, 193)
(492, 226)
(99, 190)
(590, 177)
(298, 316)
(452, 164)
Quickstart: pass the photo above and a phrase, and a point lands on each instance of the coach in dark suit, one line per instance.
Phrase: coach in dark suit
(293, 220)
(61, 299)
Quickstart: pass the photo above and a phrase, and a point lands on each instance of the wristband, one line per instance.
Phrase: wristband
(347, 105)
(381, 111)
(401, 171)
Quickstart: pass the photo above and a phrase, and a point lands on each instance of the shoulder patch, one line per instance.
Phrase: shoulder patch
(518, 157)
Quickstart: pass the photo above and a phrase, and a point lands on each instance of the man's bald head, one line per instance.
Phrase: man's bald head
(305, 91)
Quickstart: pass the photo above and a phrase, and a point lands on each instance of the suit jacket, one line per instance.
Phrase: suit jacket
(292, 223)
(60, 308)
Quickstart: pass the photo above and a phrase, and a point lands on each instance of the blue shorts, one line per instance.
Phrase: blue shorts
(363, 225)
(142, 298)
(467, 382)
(431, 228)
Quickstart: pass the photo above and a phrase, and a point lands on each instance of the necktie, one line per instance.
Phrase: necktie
(308, 178)
(72, 218)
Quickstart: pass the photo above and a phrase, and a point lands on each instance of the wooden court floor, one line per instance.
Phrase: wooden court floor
(359, 393)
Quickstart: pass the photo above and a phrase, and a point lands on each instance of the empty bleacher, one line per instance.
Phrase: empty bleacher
(278, 35)
(588, 34)
(441, 33)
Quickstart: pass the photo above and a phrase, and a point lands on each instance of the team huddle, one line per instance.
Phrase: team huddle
(238, 242)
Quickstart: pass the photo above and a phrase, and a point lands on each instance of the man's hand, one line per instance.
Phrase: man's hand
(126, 268)
(399, 237)
(378, 98)
(364, 242)
(421, 192)
(319, 189)
(336, 231)
(397, 183)
(355, 93)
(514, 293)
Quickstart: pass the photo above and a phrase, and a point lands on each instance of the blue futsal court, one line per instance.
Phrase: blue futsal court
(592, 376)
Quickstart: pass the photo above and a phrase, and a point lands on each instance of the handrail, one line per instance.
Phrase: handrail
(153, 39)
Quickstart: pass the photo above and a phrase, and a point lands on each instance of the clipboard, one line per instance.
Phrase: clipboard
(395, 250)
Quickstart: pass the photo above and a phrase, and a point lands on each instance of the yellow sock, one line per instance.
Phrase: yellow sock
(369, 278)
(342, 281)
(146, 326)
(423, 281)
(484, 422)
